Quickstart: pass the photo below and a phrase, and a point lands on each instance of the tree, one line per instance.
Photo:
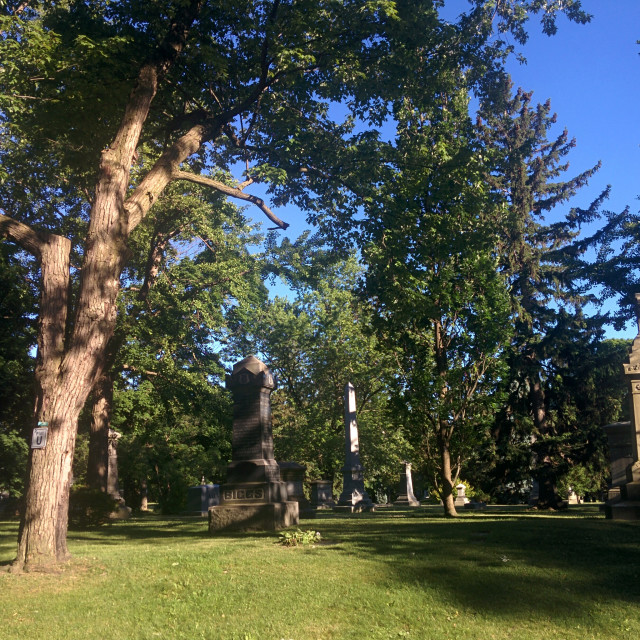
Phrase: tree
(186, 276)
(539, 261)
(429, 243)
(104, 136)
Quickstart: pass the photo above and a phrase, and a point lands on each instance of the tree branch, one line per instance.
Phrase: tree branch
(230, 191)
(23, 235)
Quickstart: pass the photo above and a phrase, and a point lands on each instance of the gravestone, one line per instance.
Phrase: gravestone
(461, 498)
(201, 497)
(619, 437)
(406, 498)
(322, 494)
(353, 496)
(573, 497)
(628, 508)
(292, 474)
(253, 498)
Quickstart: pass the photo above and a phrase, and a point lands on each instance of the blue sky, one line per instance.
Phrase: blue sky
(591, 74)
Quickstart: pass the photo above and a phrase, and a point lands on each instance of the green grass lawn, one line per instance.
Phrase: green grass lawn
(502, 573)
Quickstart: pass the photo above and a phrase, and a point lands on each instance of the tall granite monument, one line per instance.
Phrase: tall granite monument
(253, 498)
(353, 496)
(628, 508)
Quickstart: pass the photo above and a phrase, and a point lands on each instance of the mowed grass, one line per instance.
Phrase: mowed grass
(502, 573)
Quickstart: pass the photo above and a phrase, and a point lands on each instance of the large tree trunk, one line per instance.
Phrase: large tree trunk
(43, 528)
(66, 373)
(445, 430)
(448, 499)
(548, 497)
(98, 463)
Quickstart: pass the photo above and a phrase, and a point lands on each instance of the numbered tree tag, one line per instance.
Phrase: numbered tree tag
(39, 437)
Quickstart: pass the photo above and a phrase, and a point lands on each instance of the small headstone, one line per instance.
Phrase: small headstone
(201, 497)
(353, 496)
(573, 497)
(292, 474)
(406, 498)
(253, 498)
(322, 494)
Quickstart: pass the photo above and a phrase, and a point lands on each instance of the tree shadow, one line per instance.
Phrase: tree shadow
(505, 565)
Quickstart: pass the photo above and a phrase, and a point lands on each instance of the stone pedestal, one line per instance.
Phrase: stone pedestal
(353, 497)
(406, 498)
(253, 498)
(628, 508)
(461, 498)
(619, 438)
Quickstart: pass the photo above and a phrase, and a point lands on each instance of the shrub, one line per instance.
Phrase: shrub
(299, 537)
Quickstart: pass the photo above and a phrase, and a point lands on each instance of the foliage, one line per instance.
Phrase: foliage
(299, 538)
(441, 303)
(169, 442)
(588, 481)
(89, 507)
(541, 264)
(14, 452)
(103, 105)
(17, 337)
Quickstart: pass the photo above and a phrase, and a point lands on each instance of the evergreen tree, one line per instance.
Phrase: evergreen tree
(541, 263)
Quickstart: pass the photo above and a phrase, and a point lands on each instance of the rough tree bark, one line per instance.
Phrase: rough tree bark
(102, 397)
(67, 371)
(445, 430)
(98, 463)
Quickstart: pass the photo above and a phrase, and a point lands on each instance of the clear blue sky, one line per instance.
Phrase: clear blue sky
(591, 74)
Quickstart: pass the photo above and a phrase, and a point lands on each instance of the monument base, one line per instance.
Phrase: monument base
(406, 500)
(271, 516)
(354, 508)
(623, 510)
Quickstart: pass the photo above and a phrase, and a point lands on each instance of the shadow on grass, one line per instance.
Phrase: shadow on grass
(504, 564)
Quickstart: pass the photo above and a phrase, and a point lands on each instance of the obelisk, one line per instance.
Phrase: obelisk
(353, 496)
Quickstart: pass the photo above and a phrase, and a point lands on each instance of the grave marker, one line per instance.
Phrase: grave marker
(253, 498)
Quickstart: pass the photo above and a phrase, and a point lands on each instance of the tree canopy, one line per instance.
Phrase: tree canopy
(106, 105)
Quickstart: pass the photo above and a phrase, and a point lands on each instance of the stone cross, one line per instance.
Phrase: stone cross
(353, 493)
